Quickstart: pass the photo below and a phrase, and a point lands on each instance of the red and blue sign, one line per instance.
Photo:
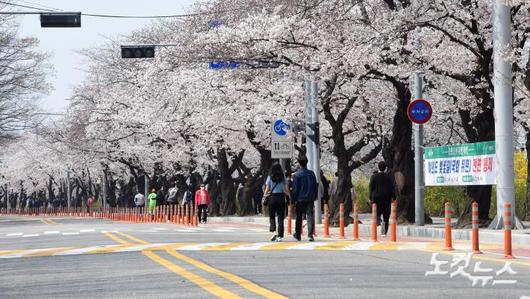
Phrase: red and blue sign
(419, 111)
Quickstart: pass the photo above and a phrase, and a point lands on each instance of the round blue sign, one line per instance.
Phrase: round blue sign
(419, 111)
(281, 128)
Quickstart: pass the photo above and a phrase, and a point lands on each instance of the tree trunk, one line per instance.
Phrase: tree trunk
(226, 184)
(399, 156)
(482, 195)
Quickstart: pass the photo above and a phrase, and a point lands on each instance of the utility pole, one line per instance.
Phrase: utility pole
(503, 113)
(419, 181)
(316, 147)
(69, 195)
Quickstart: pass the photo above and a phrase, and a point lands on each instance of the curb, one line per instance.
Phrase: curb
(487, 236)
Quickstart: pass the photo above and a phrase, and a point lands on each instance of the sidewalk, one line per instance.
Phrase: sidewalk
(429, 231)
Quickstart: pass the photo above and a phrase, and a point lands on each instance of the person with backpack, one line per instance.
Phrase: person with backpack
(276, 189)
(305, 192)
(381, 191)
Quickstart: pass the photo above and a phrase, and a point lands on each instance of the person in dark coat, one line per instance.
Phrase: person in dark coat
(381, 190)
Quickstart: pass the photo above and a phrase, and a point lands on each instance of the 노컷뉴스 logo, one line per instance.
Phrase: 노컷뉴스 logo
(460, 265)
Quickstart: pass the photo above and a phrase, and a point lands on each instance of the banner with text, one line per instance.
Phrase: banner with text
(460, 164)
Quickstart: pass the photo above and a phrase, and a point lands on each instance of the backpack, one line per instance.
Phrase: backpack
(172, 196)
(188, 198)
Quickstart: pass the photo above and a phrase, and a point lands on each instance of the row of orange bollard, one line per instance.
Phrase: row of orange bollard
(475, 229)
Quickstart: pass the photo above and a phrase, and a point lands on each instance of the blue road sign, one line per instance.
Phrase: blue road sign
(217, 65)
(419, 111)
(281, 128)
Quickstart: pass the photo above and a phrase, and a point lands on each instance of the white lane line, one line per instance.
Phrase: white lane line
(359, 246)
(148, 231)
(161, 228)
(87, 230)
(254, 246)
(259, 230)
(52, 232)
(14, 234)
(308, 246)
(70, 233)
(200, 246)
(183, 230)
(85, 250)
(220, 230)
(30, 235)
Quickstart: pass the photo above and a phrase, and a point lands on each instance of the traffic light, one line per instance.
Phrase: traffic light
(60, 20)
(137, 51)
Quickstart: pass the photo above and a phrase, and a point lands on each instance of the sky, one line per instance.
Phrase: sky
(62, 43)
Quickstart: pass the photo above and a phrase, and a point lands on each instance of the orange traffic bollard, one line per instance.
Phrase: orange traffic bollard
(474, 227)
(508, 231)
(374, 222)
(355, 222)
(326, 221)
(341, 221)
(393, 221)
(448, 237)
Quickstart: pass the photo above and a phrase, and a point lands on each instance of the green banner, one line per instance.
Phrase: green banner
(460, 150)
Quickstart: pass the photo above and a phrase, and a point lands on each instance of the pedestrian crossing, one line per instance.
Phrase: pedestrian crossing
(227, 246)
(155, 230)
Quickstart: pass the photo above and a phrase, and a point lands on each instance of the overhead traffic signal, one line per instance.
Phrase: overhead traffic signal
(137, 51)
(60, 20)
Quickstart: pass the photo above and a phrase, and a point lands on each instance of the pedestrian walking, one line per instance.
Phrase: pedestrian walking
(202, 200)
(305, 192)
(152, 198)
(381, 190)
(276, 189)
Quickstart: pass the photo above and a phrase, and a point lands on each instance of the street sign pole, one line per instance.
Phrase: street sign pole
(308, 123)
(316, 146)
(419, 181)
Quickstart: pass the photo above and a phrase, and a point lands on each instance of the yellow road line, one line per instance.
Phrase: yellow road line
(204, 283)
(117, 239)
(6, 252)
(45, 221)
(52, 222)
(280, 245)
(247, 284)
(132, 238)
(224, 247)
(335, 245)
(49, 252)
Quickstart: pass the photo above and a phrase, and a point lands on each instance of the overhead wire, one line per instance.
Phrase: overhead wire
(124, 16)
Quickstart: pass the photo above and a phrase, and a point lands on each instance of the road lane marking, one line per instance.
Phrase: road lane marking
(203, 283)
(247, 284)
(87, 230)
(48, 221)
(15, 234)
(132, 238)
(203, 266)
(115, 238)
(30, 235)
(48, 252)
(225, 247)
(52, 232)
(70, 233)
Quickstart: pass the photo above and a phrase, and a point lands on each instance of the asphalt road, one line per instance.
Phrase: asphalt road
(85, 258)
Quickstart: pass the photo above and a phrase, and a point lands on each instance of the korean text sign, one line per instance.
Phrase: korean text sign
(461, 164)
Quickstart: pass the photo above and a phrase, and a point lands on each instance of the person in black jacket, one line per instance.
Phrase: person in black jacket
(305, 192)
(381, 193)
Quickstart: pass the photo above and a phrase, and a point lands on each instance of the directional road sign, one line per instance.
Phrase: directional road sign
(282, 149)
